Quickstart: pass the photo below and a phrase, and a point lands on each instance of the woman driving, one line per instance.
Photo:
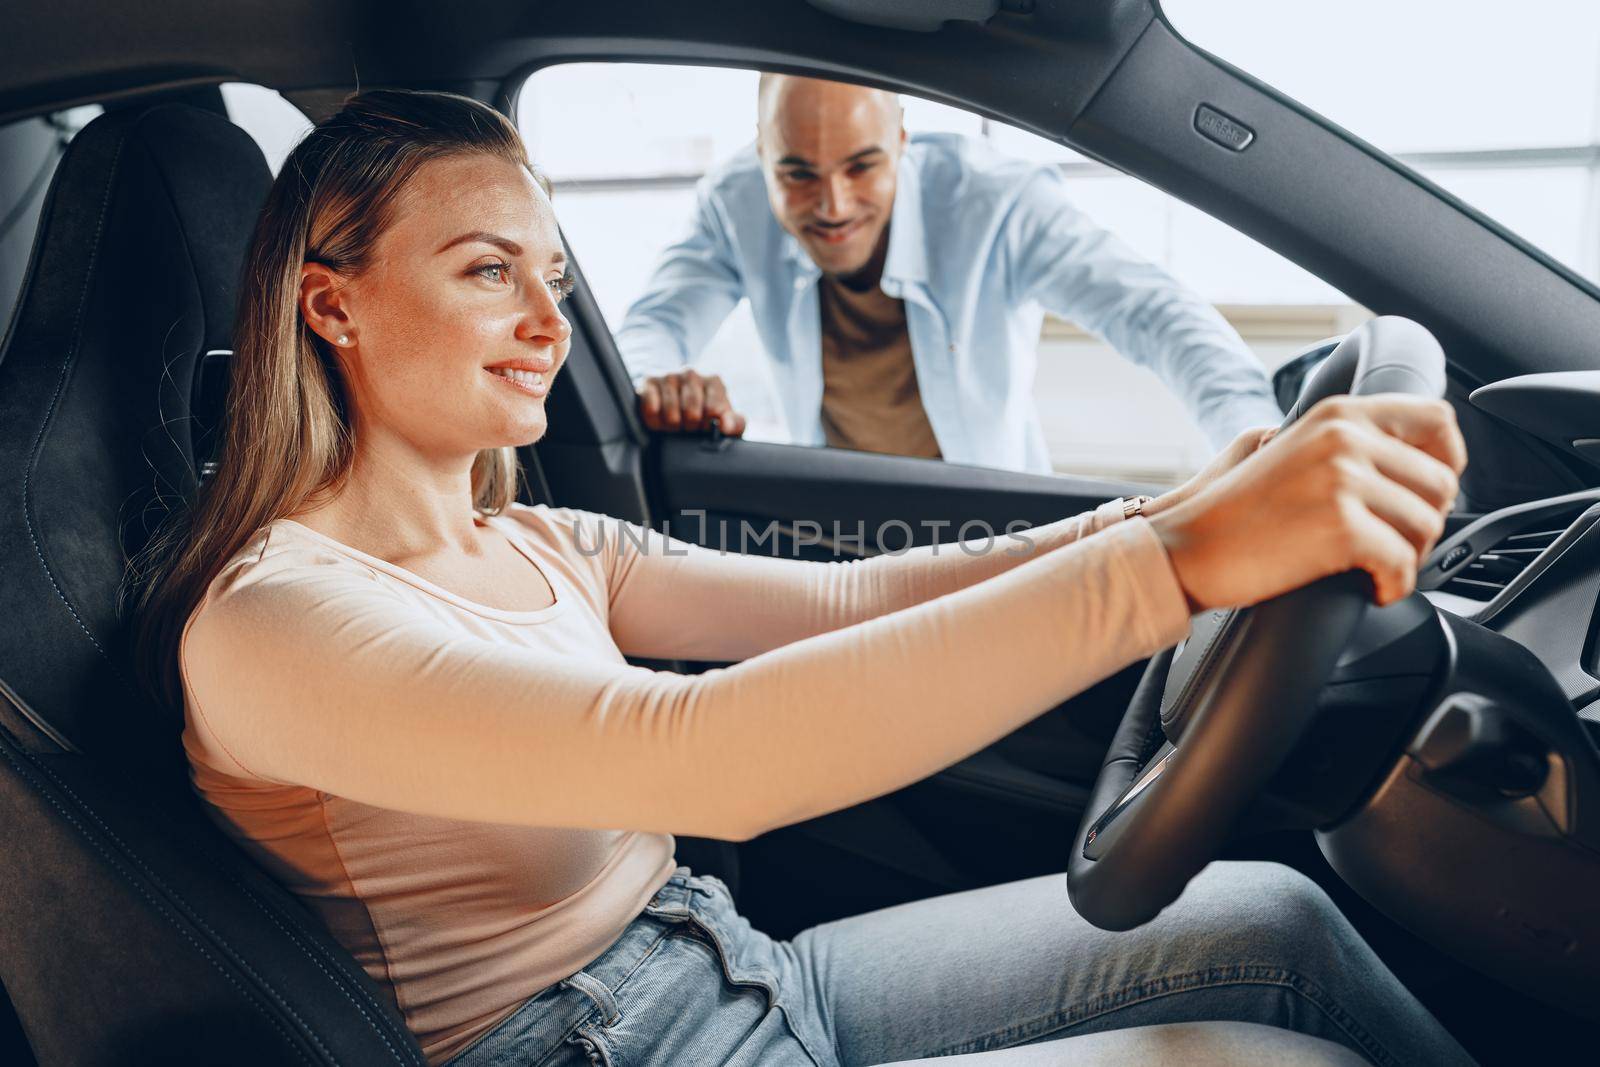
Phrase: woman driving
(406, 695)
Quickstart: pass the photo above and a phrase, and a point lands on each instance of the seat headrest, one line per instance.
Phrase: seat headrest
(134, 276)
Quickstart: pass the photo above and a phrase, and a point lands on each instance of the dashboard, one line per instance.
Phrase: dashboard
(1531, 572)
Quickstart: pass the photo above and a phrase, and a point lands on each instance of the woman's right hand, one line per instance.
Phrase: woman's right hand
(1358, 483)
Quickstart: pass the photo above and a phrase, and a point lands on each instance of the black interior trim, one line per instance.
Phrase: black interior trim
(1380, 233)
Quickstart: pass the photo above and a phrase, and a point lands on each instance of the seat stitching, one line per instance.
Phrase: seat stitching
(342, 981)
(166, 367)
(165, 912)
(338, 977)
(372, 920)
(312, 949)
(346, 985)
(66, 365)
(178, 900)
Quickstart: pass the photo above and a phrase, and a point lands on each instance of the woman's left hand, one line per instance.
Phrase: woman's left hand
(1236, 452)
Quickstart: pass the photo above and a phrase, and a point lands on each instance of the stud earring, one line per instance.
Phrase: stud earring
(344, 338)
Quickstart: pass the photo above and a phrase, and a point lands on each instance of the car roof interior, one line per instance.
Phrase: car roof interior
(148, 218)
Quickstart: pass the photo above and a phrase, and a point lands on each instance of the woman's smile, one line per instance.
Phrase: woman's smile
(533, 382)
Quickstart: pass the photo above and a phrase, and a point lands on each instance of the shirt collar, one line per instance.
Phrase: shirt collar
(907, 259)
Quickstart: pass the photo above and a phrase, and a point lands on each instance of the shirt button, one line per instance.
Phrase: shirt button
(952, 350)
(800, 283)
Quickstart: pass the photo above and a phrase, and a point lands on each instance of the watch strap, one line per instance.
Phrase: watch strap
(1135, 505)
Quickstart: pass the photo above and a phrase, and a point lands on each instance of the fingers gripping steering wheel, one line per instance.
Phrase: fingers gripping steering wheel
(1213, 720)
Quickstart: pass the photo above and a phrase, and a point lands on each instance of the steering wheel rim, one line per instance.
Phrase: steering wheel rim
(1232, 704)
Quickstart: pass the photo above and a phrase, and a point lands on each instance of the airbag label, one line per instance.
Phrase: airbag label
(1227, 132)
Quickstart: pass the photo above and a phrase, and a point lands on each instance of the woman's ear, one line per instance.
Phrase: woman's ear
(322, 303)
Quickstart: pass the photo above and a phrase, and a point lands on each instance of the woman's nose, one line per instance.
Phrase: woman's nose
(544, 323)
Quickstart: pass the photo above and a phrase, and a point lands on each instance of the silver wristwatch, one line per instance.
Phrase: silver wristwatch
(1134, 505)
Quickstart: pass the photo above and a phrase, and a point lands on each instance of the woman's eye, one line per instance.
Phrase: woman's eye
(495, 272)
(561, 287)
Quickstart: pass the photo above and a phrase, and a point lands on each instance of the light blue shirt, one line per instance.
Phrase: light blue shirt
(980, 247)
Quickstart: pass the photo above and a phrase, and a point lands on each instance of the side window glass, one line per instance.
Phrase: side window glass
(975, 293)
(625, 189)
(29, 151)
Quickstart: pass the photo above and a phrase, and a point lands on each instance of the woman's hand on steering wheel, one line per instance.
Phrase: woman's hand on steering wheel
(1359, 483)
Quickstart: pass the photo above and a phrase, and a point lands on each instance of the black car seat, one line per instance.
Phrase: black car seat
(131, 929)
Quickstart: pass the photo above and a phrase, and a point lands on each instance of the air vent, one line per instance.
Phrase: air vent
(1496, 567)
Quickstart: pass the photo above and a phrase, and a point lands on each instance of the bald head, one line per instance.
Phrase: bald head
(831, 153)
(785, 97)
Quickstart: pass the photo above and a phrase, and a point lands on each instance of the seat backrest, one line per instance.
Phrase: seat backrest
(133, 276)
(131, 929)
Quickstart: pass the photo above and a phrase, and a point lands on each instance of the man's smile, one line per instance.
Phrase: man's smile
(835, 233)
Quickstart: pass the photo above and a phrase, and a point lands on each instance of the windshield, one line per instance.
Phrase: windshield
(1496, 103)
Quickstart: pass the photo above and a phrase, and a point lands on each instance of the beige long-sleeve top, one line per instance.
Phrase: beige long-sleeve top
(477, 801)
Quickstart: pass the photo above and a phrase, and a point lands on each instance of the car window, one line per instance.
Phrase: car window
(670, 207)
(274, 123)
(1502, 110)
(30, 149)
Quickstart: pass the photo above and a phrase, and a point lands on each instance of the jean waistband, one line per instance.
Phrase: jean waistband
(546, 1019)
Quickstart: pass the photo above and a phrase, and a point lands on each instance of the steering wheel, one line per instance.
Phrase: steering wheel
(1214, 719)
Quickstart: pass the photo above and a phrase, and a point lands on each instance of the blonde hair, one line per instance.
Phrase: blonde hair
(286, 434)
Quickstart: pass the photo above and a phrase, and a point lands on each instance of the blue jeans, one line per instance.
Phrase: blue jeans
(689, 981)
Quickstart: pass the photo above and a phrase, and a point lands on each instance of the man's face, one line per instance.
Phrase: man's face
(831, 155)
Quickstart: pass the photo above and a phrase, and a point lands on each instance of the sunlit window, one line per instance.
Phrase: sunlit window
(624, 145)
(274, 123)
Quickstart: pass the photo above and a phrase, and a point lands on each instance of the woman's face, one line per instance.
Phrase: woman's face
(454, 329)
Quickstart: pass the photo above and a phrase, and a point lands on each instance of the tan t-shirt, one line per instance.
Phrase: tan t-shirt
(870, 398)
(478, 801)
